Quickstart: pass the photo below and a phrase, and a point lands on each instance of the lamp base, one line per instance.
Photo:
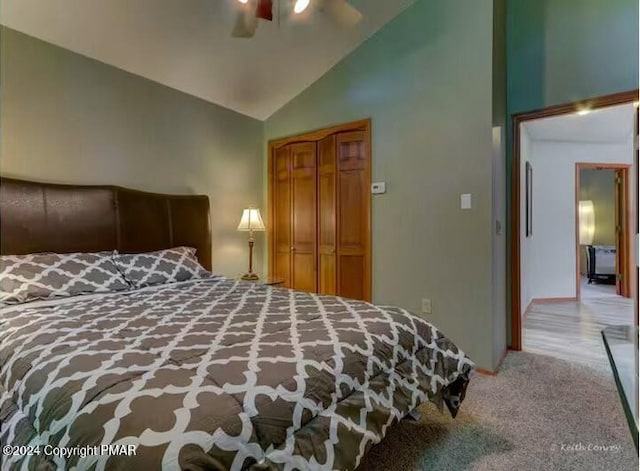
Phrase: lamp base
(250, 277)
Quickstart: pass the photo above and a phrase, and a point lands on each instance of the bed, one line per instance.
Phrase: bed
(200, 372)
(601, 263)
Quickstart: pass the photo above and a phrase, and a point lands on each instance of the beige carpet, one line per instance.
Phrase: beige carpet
(538, 413)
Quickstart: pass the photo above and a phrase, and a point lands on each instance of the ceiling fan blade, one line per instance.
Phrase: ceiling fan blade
(342, 12)
(245, 26)
(246, 21)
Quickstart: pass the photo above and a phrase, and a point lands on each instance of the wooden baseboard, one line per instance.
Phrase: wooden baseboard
(527, 311)
(552, 300)
(482, 371)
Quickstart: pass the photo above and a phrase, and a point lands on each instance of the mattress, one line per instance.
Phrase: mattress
(214, 374)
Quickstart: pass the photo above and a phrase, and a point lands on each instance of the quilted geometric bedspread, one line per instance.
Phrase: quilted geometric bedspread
(215, 374)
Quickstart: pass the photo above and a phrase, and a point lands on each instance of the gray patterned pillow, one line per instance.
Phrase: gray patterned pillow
(25, 278)
(162, 266)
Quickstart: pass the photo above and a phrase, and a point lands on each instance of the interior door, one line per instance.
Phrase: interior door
(303, 216)
(354, 235)
(327, 216)
(282, 215)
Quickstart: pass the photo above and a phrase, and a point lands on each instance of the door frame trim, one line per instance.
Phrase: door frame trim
(319, 134)
(363, 125)
(513, 283)
(625, 269)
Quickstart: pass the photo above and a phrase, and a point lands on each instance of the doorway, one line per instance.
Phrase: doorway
(603, 230)
(519, 192)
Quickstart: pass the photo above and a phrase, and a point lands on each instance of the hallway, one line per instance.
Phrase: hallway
(571, 330)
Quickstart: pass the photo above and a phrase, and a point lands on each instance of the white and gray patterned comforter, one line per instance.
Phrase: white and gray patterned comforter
(216, 375)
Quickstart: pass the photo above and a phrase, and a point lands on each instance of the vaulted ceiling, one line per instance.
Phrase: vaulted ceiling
(186, 44)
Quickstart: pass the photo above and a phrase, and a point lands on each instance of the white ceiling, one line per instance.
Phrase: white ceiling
(606, 125)
(186, 44)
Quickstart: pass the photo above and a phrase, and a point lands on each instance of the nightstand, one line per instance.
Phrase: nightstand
(271, 281)
(266, 280)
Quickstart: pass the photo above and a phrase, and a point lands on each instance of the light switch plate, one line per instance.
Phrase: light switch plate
(378, 188)
(465, 201)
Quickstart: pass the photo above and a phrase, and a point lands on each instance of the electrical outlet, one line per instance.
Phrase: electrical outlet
(426, 306)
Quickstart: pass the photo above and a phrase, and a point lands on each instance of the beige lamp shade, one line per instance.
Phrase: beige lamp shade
(251, 220)
(587, 221)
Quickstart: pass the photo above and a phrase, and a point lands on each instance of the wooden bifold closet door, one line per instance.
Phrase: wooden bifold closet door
(327, 213)
(320, 211)
(303, 216)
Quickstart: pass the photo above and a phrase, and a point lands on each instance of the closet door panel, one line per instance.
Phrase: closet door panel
(352, 273)
(354, 235)
(304, 216)
(352, 243)
(282, 215)
(327, 216)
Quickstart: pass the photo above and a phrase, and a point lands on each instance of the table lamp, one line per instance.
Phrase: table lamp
(587, 222)
(251, 221)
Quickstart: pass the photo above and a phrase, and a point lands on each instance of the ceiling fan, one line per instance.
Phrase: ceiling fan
(251, 11)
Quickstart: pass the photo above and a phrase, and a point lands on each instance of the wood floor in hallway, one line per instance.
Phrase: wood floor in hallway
(571, 330)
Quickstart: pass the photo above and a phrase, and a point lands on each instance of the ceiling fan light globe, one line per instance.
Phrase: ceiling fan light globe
(300, 6)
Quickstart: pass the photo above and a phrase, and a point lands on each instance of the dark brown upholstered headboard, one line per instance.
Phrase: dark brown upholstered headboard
(43, 217)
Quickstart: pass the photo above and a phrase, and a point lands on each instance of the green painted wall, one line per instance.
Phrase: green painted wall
(499, 113)
(70, 119)
(425, 79)
(562, 51)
